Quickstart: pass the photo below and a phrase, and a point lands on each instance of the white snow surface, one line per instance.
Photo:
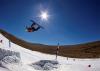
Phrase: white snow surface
(28, 57)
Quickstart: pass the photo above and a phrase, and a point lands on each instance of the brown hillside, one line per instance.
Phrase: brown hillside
(87, 50)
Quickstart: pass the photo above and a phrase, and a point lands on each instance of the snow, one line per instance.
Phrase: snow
(28, 57)
(45, 65)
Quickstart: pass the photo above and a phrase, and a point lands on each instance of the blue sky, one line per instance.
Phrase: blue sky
(70, 21)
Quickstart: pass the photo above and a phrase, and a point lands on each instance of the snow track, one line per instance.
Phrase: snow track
(28, 57)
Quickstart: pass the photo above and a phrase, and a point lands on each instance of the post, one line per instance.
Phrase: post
(9, 43)
(57, 51)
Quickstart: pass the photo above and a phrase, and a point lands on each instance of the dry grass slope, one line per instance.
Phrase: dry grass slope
(86, 50)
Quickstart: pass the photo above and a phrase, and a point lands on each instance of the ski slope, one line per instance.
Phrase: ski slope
(28, 57)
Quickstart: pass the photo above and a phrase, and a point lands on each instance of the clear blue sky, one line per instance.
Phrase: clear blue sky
(71, 21)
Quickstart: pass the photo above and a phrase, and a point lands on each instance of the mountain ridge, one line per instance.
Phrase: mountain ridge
(85, 50)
